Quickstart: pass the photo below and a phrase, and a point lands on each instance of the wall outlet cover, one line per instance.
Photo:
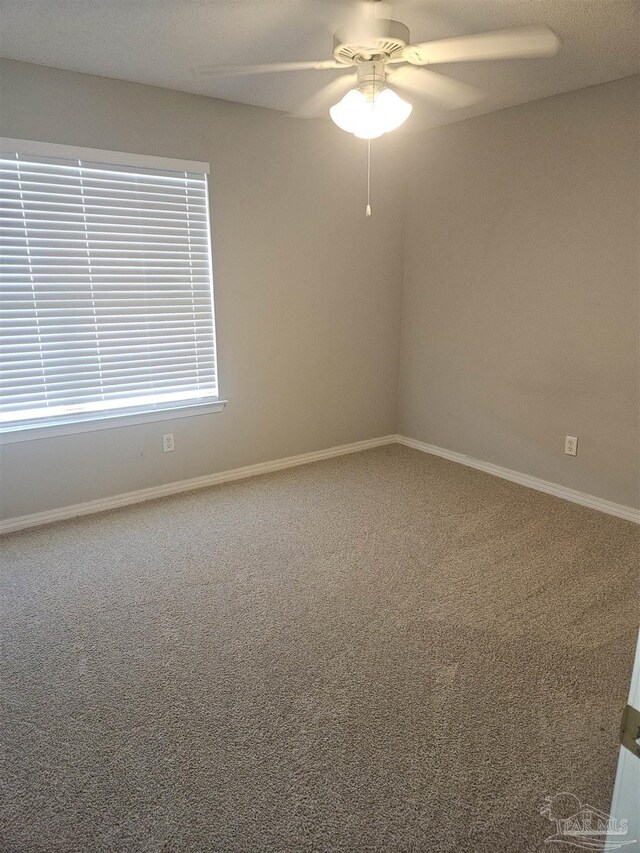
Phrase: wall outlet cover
(571, 445)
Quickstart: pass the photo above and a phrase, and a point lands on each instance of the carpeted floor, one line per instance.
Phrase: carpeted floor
(382, 652)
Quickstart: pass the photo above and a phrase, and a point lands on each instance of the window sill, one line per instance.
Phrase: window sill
(111, 421)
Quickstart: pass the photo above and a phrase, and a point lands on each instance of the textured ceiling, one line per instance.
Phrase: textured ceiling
(158, 42)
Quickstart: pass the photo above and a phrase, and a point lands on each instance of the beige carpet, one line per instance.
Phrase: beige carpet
(380, 652)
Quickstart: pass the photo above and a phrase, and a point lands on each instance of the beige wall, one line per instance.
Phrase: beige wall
(520, 315)
(307, 289)
(521, 289)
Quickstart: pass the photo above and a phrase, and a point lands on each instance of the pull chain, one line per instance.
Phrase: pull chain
(368, 208)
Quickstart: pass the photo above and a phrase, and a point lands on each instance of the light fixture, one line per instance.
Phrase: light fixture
(370, 116)
(371, 109)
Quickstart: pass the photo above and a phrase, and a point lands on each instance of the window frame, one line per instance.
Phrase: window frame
(117, 418)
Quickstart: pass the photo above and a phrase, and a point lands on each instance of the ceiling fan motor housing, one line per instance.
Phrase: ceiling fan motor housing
(385, 42)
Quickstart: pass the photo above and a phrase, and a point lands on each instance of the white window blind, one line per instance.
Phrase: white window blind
(105, 286)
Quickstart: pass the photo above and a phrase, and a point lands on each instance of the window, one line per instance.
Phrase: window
(106, 287)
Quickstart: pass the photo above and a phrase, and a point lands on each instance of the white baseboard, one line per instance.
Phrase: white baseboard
(611, 508)
(101, 504)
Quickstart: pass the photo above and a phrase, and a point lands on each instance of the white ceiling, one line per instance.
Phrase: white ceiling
(159, 41)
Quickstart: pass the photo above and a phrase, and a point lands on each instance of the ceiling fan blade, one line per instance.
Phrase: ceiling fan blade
(205, 71)
(520, 42)
(330, 94)
(448, 92)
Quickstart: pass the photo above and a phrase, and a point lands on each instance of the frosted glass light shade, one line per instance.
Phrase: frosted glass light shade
(369, 118)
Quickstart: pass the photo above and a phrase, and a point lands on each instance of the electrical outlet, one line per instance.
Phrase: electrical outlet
(571, 445)
(168, 444)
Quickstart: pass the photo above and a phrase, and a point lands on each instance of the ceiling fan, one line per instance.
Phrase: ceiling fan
(380, 52)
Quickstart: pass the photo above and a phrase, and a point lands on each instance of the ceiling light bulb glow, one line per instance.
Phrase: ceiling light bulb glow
(368, 118)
